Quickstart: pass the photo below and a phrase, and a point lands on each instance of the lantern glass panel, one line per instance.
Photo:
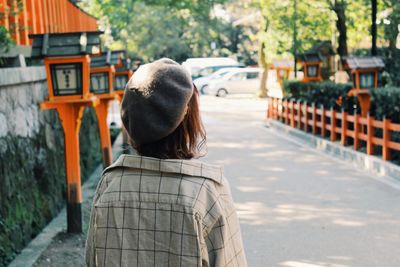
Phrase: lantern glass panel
(66, 79)
(312, 71)
(120, 81)
(99, 83)
(367, 80)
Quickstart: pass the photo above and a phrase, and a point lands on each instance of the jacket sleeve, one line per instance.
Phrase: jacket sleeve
(90, 249)
(90, 255)
(223, 237)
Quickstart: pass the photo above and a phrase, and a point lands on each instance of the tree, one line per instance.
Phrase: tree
(373, 26)
(391, 30)
(177, 29)
(263, 90)
(339, 8)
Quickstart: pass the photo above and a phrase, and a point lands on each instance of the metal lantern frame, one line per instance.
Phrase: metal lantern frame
(122, 69)
(109, 72)
(84, 93)
(104, 64)
(127, 73)
(314, 78)
(311, 58)
(359, 66)
(61, 49)
(356, 76)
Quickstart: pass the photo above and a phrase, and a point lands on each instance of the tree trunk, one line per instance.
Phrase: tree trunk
(392, 30)
(340, 10)
(263, 91)
(373, 27)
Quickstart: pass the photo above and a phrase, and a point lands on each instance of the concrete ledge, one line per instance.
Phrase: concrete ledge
(360, 160)
(13, 76)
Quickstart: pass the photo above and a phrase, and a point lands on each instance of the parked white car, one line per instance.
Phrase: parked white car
(202, 83)
(237, 81)
(194, 65)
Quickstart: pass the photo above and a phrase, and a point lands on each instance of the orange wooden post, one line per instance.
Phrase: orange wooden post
(299, 114)
(104, 131)
(46, 19)
(292, 124)
(280, 114)
(53, 13)
(23, 24)
(39, 15)
(370, 135)
(5, 19)
(31, 11)
(272, 108)
(386, 139)
(105, 95)
(314, 119)
(14, 22)
(286, 106)
(60, 22)
(344, 128)
(323, 121)
(356, 141)
(333, 124)
(306, 117)
(71, 116)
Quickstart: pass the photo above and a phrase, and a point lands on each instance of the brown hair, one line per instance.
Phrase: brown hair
(185, 142)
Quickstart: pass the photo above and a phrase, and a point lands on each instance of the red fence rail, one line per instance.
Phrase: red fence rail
(43, 16)
(320, 121)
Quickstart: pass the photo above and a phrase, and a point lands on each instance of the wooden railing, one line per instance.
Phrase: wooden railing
(337, 125)
(24, 17)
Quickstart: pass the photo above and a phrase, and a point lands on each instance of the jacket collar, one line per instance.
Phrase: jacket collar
(186, 167)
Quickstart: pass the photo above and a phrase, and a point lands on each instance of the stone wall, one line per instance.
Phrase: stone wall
(32, 174)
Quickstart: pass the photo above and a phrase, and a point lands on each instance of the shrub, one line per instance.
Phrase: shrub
(385, 102)
(328, 94)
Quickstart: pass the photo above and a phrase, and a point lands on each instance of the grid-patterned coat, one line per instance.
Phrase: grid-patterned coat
(152, 212)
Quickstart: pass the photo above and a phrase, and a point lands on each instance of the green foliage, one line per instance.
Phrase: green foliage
(386, 103)
(5, 41)
(316, 21)
(328, 94)
(166, 28)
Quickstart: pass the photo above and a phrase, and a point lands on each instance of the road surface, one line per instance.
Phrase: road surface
(297, 207)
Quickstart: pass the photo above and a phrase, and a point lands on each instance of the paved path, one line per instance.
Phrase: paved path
(299, 208)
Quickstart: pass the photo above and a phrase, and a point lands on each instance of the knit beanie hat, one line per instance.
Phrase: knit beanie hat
(155, 100)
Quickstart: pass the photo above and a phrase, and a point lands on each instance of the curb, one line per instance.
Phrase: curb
(360, 160)
(31, 253)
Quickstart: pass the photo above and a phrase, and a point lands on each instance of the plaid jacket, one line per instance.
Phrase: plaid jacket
(152, 212)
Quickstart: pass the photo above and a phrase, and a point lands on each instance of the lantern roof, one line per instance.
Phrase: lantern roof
(105, 59)
(283, 63)
(325, 48)
(364, 62)
(310, 56)
(65, 44)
